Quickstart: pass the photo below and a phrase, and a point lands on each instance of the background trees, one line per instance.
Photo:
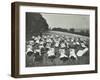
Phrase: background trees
(35, 24)
(73, 31)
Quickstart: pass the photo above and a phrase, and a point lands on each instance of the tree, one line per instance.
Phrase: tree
(60, 29)
(35, 24)
(72, 30)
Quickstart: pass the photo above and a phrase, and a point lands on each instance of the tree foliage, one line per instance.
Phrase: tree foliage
(35, 24)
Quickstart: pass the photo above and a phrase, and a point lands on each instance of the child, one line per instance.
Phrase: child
(37, 55)
(72, 51)
(51, 54)
(63, 57)
(29, 50)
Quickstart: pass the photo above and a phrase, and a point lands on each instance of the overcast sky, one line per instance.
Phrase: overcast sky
(67, 21)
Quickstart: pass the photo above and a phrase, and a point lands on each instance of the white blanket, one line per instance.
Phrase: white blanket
(62, 53)
(82, 52)
(72, 53)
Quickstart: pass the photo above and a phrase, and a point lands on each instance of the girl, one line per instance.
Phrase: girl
(63, 57)
(51, 54)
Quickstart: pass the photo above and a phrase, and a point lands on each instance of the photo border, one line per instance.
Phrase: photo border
(15, 32)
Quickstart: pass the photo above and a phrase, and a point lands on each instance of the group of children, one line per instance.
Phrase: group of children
(56, 46)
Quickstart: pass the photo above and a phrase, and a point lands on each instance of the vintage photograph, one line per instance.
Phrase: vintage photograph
(54, 39)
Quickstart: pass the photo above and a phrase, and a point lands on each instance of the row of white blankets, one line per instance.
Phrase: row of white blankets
(62, 52)
(71, 54)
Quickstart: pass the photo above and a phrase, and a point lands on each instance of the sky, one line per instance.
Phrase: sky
(67, 21)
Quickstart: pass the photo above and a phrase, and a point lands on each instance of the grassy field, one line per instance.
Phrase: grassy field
(45, 61)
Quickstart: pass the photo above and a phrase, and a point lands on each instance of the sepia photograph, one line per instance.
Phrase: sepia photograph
(57, 39)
